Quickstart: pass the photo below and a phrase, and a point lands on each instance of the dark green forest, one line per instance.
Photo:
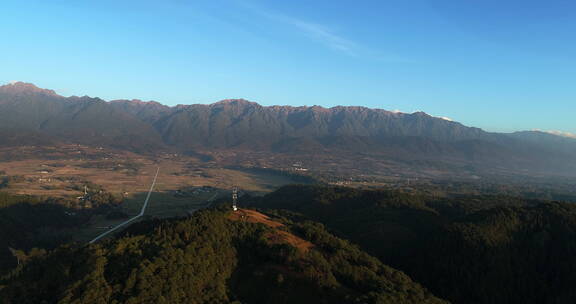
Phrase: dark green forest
(208, 258)
(369, 246)
(28, 222)
(467, 249)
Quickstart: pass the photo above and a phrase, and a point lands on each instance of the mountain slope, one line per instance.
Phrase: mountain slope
(232, 122)
(29, 113)
(211, 258)
(243, 125)
(542, 139)
(467, 249)
(25, 108)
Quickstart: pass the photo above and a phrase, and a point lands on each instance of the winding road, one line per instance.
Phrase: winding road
(134, 218)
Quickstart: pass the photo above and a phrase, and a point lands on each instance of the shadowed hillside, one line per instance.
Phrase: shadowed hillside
(212, 258)
(468, 249)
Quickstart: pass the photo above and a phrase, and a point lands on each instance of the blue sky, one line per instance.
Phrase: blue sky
(499, 65)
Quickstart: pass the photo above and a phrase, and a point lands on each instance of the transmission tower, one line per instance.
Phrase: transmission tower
(235, 198)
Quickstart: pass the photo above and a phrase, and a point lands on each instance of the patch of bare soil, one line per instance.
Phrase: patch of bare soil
(277, 236)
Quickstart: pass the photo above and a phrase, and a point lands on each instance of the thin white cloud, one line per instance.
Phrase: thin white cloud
(322, 34)
(318, 32)
(325, 36)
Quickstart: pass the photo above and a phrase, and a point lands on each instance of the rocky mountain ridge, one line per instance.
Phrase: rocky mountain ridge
(27, 111)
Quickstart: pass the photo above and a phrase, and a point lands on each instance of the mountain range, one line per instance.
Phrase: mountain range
(33, 116)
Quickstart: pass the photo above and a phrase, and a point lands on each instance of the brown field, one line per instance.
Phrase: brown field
(277, 236)
(120, 172)
(62, 172)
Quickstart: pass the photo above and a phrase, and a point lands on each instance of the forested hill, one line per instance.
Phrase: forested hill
(468, 249)
(212, 257)
(30, 224)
